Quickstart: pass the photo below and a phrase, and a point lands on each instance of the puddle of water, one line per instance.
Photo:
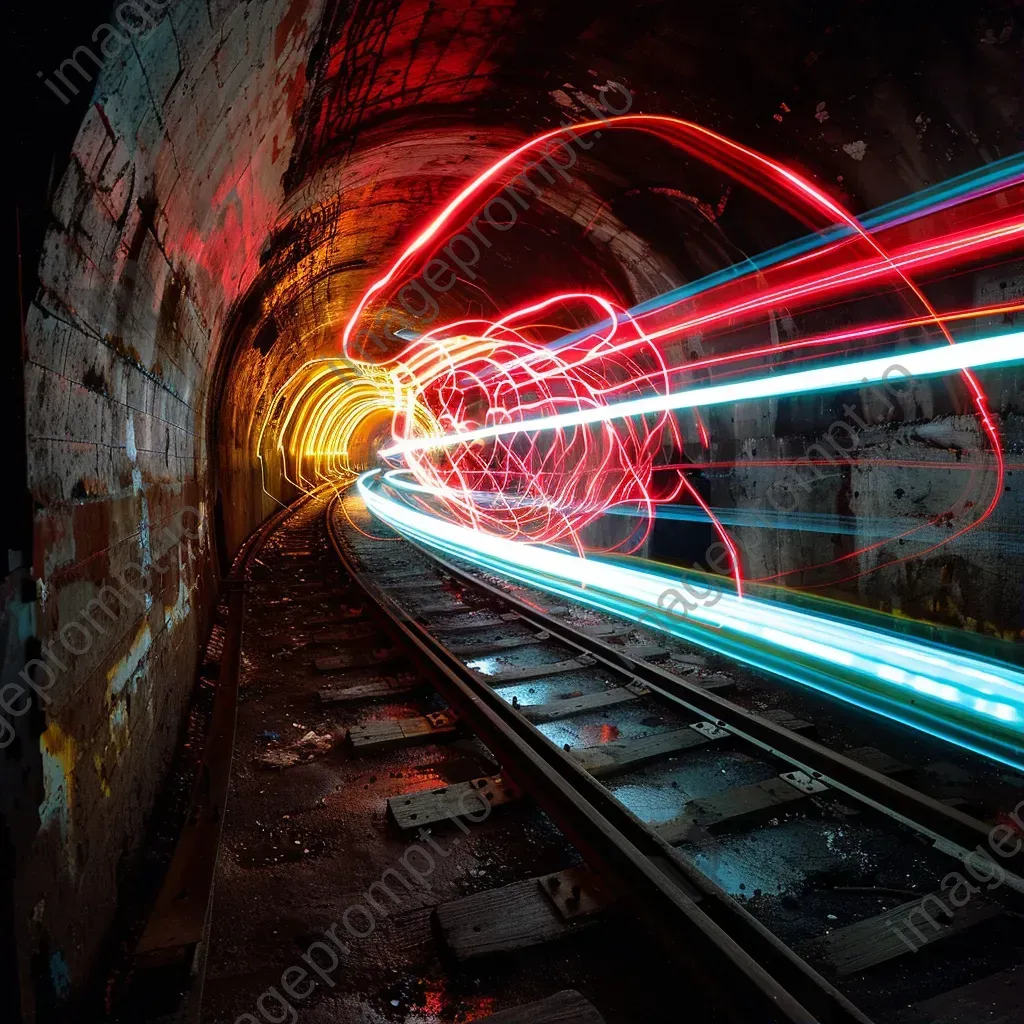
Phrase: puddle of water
(489, 665)
(774, 859)
(655, 806)
(629, 722)
(660, 792)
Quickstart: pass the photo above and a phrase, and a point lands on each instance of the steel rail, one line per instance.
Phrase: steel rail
(753, 972)
(951, 830)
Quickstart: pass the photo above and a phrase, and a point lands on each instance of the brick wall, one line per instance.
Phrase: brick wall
(174, 180)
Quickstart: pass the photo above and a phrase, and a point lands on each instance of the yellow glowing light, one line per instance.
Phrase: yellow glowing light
(324, 418)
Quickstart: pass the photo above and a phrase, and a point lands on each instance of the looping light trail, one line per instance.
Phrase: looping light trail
(526, 427)
(519, 433)
(560, 427)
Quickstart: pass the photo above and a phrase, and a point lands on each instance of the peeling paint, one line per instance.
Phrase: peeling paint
(59, 754)
(129, 438)
(177, 613)
(60, 544)
(137, 279)
(101, 775)
(122, 684)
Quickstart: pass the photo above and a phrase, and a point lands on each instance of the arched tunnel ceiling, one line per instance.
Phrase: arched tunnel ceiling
(244, 169)
(404, 102)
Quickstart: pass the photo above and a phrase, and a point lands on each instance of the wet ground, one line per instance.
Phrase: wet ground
(307, 846)
(304, 844)
(816, 866)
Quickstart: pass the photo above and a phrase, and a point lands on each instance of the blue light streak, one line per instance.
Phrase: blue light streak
(975, 702)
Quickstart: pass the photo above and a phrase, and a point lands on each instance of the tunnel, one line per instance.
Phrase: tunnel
(395, 262)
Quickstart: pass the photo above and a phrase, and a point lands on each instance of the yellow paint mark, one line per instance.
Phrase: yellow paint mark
(101, 774)
(120, 673)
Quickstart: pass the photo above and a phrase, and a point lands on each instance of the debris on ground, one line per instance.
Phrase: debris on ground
(303, 749)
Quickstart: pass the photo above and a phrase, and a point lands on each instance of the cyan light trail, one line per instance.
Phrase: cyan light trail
(996, 350)
(972, 701)
(815, 522)
(753, 518)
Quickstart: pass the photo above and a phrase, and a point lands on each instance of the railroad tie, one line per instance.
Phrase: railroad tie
(364, 659)
(565, 1007)
(996, 999)
(520, 675)
(569, 706)
(425, 583)
(439, 609)
(472, 622)
(346, 634)
(786, 719)
(346, 613)
(409, 811)
(523, 914)
(643, 652)
(493, 646)
(371, 737)
(902, 930)
(609, 759)
(372, 688)
(739, 806)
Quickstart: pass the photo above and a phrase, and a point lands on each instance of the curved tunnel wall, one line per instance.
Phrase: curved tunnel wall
(239, 174)
(174, 180)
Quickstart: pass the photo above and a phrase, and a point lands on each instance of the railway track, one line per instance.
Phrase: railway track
(765, 875)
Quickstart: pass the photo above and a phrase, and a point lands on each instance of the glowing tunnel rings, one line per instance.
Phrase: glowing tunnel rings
(321, 414)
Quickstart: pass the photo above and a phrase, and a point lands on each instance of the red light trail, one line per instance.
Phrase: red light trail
(549, 486)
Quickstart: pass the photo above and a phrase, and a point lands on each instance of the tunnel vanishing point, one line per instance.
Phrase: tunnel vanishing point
(265, 246)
